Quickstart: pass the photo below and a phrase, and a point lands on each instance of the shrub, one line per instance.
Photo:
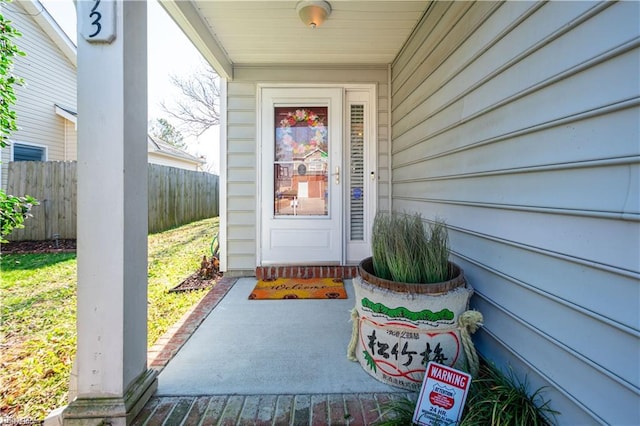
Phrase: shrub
(495, 399)
(13, 212)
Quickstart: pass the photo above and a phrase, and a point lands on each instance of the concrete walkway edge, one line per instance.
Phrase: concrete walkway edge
(168, 345)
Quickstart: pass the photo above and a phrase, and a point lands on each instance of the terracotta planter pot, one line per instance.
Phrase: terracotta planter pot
(365, 269)
(400, 327)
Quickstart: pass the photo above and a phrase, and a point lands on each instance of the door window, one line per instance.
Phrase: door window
(301, 161)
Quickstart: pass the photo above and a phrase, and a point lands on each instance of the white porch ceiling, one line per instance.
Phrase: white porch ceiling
(230, 32)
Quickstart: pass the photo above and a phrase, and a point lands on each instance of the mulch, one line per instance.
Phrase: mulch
(47, 246)
(196, 282)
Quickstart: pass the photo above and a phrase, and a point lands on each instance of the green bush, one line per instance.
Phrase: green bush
(500, 399)
(494, 398)
(13, 212)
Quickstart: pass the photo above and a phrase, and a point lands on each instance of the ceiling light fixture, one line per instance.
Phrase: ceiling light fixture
(313, 13)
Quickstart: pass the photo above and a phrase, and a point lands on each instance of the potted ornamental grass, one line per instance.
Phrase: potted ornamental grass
(411, 303)
(411, 256)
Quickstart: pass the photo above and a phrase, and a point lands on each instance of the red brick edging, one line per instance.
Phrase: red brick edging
(168, 345)
(272, 272)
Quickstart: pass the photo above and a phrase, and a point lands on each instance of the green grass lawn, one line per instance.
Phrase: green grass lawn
(39, 307)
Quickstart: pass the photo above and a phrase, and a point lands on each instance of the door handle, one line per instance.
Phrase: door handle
(337, 175)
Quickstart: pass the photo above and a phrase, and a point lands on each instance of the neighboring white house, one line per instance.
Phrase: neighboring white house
(516, 122)
(46, 105)
(165, 154)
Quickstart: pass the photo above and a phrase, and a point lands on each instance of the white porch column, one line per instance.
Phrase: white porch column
(113, 379)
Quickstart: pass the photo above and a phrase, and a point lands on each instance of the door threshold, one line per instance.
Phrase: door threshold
(297, 271)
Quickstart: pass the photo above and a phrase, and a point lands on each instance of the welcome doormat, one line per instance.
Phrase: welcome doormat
(299, 288)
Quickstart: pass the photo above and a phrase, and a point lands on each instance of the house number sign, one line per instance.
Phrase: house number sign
(97, 20)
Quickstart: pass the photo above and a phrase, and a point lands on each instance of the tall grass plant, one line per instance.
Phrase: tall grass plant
(501, 399)
(405, 250)
(495, 399)
(435, 265)
(379, 245)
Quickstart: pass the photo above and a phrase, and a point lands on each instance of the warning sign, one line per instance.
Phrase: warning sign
(442, 397)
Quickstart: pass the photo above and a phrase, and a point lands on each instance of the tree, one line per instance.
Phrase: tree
(165, 131)
(198, 109)
(13, 210)
(7, 79)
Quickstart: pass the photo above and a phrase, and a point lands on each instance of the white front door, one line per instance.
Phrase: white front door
(301, 186)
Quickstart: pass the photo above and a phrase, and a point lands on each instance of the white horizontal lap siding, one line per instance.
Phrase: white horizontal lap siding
(384, 147)
(242, 146)
(50, 79)
(517, 123)
(241, 176)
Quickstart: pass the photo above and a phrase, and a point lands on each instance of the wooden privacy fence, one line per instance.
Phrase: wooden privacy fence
(179, 196)
(176, 197)
(53, 184)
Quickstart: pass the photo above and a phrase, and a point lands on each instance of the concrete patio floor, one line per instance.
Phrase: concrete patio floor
(269, 362)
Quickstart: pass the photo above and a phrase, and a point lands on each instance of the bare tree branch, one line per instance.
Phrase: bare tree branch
(198, 109)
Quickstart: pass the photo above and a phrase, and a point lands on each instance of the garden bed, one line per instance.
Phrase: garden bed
(46, 246)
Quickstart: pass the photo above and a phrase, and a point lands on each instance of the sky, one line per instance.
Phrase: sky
(169, 53)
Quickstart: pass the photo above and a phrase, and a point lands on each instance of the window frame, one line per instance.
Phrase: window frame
(45, 149)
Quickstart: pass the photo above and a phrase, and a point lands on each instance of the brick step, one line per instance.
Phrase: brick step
(360, 409)
(272, 272)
